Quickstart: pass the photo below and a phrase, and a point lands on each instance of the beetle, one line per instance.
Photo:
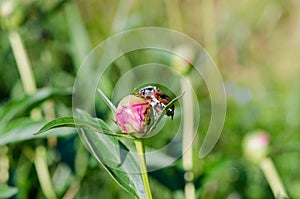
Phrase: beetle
(157, 99)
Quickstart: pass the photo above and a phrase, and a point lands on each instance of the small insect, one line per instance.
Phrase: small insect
(157, 99)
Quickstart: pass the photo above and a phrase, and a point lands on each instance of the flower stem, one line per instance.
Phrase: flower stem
(40, 162)
(24, 68)
(273, 178)
(141, 155)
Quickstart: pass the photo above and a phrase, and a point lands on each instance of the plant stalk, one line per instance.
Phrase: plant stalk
(140, 148)
(273, 178)
(40, 163)
(24, 68)
(187, 141)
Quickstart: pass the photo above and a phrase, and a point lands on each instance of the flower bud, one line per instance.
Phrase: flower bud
(133, 115)
(256, 146)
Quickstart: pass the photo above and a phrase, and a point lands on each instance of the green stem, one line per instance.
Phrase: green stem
(273, 178)
(141, 155)
(24, 68)
(187, 140)
(40, 162)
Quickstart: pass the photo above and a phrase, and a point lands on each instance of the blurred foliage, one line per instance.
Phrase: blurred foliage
(255, 44)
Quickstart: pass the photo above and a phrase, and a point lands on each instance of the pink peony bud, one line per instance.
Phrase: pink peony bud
(256, 146)
(133, 114)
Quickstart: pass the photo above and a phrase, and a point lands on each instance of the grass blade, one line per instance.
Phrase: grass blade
(7, 192)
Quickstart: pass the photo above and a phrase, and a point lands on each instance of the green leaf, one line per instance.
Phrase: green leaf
(89, 123)
(57, 123)
(7, 192)
(22, 129)
(14, 109)
(123, 150)
(106, 149)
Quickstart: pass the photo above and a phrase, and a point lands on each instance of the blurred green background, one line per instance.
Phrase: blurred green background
(255, 45)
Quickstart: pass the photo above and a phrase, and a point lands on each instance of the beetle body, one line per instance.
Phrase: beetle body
(157, 99)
